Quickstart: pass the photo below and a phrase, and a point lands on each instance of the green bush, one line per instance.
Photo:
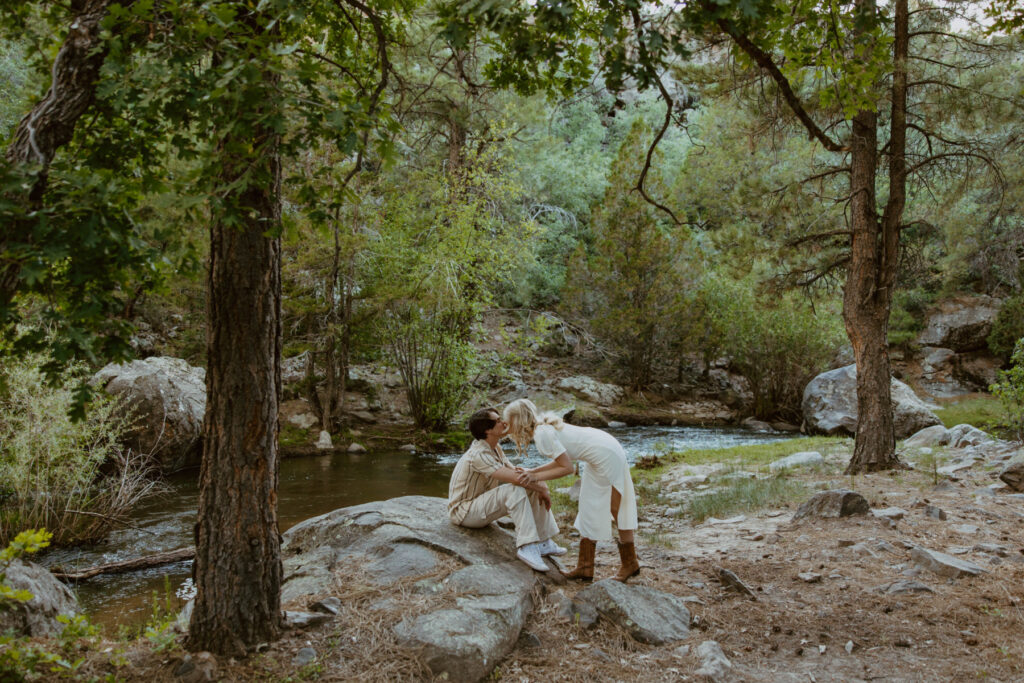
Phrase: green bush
(1010, 391)
(70, 477)
(779, 347)
(1008, 326)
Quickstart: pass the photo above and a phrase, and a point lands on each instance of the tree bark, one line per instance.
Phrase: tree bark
(51, 123)
(238, 553)
(871, 273)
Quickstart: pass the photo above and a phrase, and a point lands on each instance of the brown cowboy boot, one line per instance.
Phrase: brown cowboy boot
(585, 564)
(630, 565)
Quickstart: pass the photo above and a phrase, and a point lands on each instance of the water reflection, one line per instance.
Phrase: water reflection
(308, 487)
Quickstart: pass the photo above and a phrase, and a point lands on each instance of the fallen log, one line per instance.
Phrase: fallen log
(132, 565)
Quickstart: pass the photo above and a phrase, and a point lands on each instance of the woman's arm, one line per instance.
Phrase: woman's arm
(559, 467)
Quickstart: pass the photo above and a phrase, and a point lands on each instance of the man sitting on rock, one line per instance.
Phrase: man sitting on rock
(484, 487)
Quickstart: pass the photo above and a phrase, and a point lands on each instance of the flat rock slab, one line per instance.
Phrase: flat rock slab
(836, 503)
(944, 564)
(803, 458)
(405, 538)
(649, 615)
(890, 513)
(904, 586)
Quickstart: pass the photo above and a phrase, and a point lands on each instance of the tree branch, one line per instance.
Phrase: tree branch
(764, 60)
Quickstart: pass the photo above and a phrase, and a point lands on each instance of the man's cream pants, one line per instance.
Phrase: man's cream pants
(532, 520)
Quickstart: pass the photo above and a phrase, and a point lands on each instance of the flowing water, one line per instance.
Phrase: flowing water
(308, 487)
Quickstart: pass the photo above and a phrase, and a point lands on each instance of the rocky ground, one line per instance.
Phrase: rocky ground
(925, 582)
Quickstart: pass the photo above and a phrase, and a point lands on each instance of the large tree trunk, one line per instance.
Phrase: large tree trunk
(51, 123)
(238, 552)
(872, 271)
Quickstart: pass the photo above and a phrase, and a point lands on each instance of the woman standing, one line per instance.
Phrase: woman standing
(606, 489)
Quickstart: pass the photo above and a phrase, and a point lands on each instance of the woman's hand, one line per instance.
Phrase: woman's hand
(526, 478)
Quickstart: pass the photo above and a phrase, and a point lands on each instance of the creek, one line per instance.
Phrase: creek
(309, 486)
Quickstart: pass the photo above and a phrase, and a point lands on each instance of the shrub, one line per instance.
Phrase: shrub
(70, 477)
(778, 347)
(1010, 391)
(435, 356)
(1008, 326)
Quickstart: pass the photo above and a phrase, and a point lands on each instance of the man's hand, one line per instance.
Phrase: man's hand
(526, 478)
(545, 497)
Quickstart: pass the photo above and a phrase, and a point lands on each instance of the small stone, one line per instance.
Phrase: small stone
(304, 657)
(809, 577)
(356, 448)
(934, 512)
(836, 503)
(943, 564)
(331, 605)
(408, 447)
(886, 547)
(731, 520)
(681, 651)
(992, 548)
(615, 424)
(844, 543)
(968, 529)
(731, 581)
(849, 647)
(755, 537)
(528, 641)
(890, 513)
(197, 668)
(324, 442)
(904, 586)
(305, 619)
(714, 664)
(1013, 476)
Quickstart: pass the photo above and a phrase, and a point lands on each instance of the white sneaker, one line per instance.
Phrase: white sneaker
(549, 547)
(530, 554)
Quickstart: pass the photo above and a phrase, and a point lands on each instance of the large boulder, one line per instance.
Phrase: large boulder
(590, 389)
(830, 405)
(834, 503)
(482, 594)
(168, 399)
(50, 599)
(960, 324)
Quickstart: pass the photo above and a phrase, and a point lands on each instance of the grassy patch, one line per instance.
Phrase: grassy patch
(292, 435)
(751, 455)
(984, 412)
(745, 495)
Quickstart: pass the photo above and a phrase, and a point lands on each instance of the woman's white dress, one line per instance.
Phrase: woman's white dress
(604, 467)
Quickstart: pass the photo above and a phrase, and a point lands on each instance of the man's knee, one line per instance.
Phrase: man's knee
(515, 494)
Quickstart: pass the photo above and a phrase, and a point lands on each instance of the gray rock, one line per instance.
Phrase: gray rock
(991, 548)
(304, 657)
(528, 641)
(934, 512)
(590, 389)
(830, 405)
(615, 424)
(324, 442)
(331, 605)
(168, 396)
(757, 425)
(405, 538)
(50, 599)
(964, 435)
(835, 503)
(904, 586)
(714, 665)
(961, 324)
(732, 582)
(197, 668)
(809, 577)
(649, 615)
(936, 435)
(305, 619)
(797, 459)
(968, 529)
(890, 513)
(1013, 476)
(356, 448)
(578, 613)
(943, 564)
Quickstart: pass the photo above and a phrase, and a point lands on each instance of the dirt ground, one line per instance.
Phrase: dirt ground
(831, 624)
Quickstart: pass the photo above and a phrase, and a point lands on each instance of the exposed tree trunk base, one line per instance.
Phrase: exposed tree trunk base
(132, 565)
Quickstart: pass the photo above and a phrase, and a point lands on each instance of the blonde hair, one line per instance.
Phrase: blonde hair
(522, 418)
